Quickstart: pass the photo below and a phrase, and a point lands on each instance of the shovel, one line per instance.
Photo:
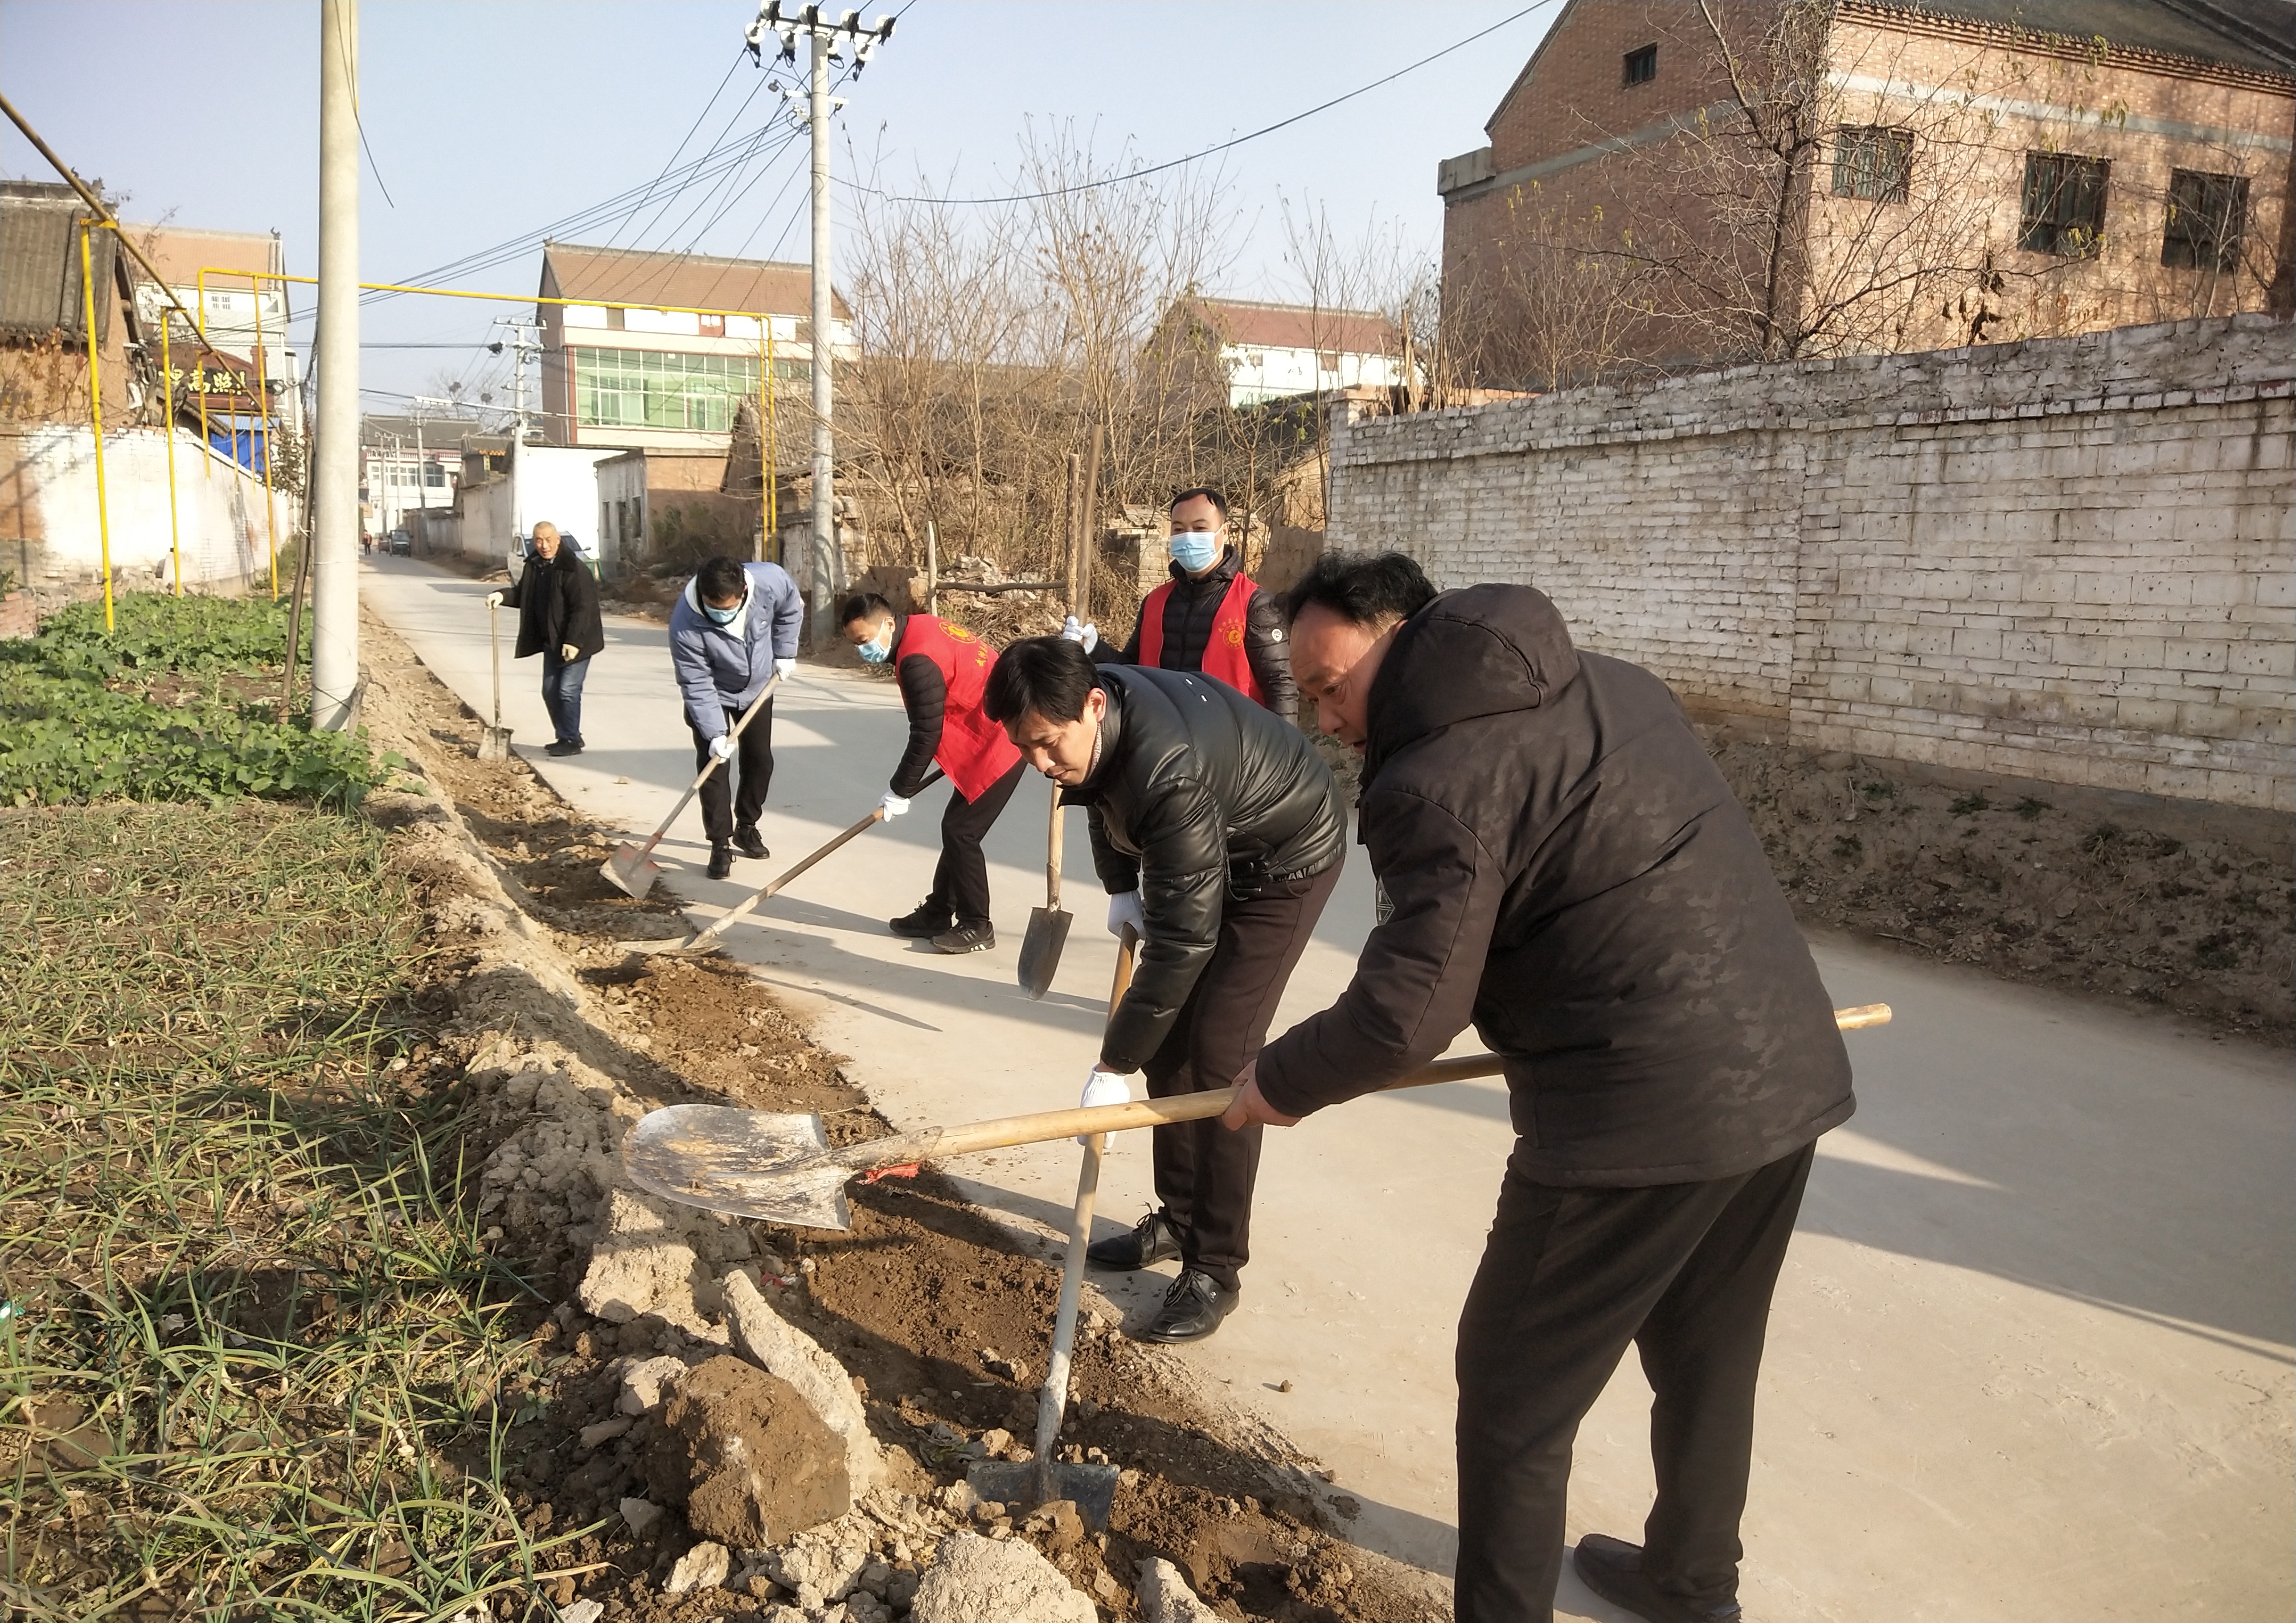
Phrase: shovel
(631, 869)
(780, 1168)
(706, 940)
(1048, 926)
(1091, 1489)
(494, 741)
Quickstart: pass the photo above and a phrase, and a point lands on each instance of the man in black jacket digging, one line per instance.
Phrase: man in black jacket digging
(1568, 872)
(1227, 825)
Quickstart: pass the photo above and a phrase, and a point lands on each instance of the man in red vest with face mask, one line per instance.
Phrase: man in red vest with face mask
(1212, 617)
(944, 672)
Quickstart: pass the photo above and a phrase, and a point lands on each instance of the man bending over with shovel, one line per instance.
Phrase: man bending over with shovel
(1219, 831)
(944, 674)
(734, 626)
(1569, 870)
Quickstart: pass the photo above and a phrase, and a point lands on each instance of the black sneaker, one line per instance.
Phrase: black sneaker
(1147, 1242)
(966, 938)
(926, 923)
(559, 746)
(721, 860)
(751, 843)
(1613, 1569)
(1192, 1309)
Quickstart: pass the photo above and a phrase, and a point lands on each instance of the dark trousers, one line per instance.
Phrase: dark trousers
(960, 881)
(561, 693)
(1684, 1270)
(1204, 1173)
(722, 805)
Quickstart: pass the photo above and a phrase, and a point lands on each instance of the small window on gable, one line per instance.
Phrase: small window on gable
(1642, 66)
(614, 317)
(1872, 162)
(2207, 214)
(713, 326)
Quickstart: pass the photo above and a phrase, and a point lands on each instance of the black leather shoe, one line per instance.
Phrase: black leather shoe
(1192, 1309)
(751, 843)
(966, 938)
(926, 923)
(721, 861)
(1147, 1242)
(1613, 1569)
(563, 746)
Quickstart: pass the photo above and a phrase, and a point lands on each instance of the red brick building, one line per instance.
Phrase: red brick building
(1671, 183)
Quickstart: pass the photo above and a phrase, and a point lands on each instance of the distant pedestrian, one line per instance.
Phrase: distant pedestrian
(1210, 615)
(557, 598)
(734, 626)
(944, 674)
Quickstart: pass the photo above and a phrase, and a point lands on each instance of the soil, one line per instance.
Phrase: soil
(941, 1317)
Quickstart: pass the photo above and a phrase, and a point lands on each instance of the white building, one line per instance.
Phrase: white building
(1269, 351)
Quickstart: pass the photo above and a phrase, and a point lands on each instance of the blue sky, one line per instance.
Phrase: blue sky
(489, 120)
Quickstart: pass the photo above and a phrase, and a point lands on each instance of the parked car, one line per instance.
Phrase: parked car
(402, 544)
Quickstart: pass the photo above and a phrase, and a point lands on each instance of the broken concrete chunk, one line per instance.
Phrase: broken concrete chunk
(582, 1611)
(783, 1350)
(703, 1566)
(747, 1457)
(640, 1515)
(604, 1431)
(997, 1364)
(982, 1580)
(644, 1383)
(958, 1498)
(1165, 1597)
(641, 1266)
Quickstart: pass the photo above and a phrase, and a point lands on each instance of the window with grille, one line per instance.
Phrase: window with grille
(658, 389)
(2207, 214)
(1642, 66)
(2062, 211)
(1872, 162)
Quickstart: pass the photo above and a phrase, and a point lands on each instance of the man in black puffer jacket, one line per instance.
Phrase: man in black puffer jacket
(1568, 870)
(1218, 832)
(1210, 617)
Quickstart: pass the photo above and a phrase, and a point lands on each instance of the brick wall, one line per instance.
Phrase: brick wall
(2071, 560)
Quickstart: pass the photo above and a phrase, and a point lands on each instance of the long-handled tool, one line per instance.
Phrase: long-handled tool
(631, 869)
(780, 1168)
(1048, 926)
(1091, 1489)
(494, 741)
(706, 940)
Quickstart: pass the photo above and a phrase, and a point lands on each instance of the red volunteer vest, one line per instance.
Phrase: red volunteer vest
(974, 750)
(1224, 655)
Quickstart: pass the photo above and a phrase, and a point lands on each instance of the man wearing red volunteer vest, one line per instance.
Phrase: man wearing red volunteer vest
(1212, 617)
(943, 670)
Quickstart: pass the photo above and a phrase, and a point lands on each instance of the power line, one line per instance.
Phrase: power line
(1212, 152)
(698, 117)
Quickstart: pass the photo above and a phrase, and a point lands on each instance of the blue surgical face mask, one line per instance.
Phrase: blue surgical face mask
(878, 649)
(1194, 550)
(720, 617)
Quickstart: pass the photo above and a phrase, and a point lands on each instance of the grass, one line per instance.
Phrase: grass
(257, 1361)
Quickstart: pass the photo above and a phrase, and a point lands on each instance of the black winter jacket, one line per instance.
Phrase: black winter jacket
(557, 602)
(1570, 872)
(1198, 790)
(924, 695)
(1188, 613)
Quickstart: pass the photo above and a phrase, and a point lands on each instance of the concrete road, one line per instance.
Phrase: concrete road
(2031, 1353)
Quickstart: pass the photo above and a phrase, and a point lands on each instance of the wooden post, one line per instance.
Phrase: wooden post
(1068, 572)
(1088, 506)
(932, 569)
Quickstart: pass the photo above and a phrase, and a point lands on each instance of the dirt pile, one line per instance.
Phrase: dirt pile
(745, 1458)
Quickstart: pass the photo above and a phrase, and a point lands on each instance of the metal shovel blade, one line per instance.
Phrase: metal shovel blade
(744, 1163)
(630, 871)
(1091, 1489)
(1040, 948)
(700, 946)
(493, 743)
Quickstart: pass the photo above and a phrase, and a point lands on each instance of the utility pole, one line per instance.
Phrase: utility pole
(829, 40)
(335, 518)
(524, 341)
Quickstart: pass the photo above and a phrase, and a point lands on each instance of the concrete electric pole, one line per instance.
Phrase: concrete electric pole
(829, 41)
(335, 516)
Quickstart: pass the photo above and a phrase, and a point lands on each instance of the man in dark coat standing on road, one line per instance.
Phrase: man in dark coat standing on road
(732, 629)
(1225, 828)
(1210, 615)
(557, 598)
(1568, 870)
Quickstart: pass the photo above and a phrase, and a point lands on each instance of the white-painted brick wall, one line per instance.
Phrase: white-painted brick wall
(2070, 560)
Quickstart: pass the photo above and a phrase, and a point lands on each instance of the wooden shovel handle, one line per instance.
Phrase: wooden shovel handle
(928, 1143)
(773, 887)
(708, 767)
(1052, 855)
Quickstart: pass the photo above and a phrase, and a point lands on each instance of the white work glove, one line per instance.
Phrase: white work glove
(1086, 633)
(784, 668)
(892, 806)
(1102, 1088)
(1125, 911)
(721, 747)
(494, 599)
